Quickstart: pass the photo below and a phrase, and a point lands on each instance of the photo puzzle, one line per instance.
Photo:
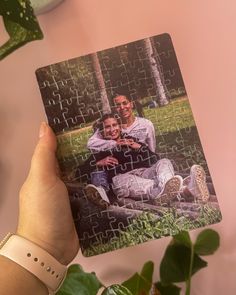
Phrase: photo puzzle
(128, 147)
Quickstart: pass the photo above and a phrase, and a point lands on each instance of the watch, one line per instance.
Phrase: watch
(34, 259)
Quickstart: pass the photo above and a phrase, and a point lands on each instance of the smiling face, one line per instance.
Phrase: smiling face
(123, 107)
(111, 129)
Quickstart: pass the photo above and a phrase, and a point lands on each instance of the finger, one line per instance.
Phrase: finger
(121, 141)
(44, 162)
(109, 159)
(110, 165)
(114, 159)
(109, 162)
(113, 162)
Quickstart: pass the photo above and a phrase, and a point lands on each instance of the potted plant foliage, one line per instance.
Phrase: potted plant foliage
(20, 24)
(181, 260)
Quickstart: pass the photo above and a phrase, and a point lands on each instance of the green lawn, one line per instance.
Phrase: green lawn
(177, 140)
(176, 134)
(175, 116)
(146, 227)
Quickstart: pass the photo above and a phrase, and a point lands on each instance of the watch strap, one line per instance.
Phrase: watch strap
(34, 259)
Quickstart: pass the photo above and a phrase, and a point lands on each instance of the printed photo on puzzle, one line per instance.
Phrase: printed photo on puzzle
(128, 146)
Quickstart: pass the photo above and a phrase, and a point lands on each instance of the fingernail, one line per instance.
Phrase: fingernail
(42, 129)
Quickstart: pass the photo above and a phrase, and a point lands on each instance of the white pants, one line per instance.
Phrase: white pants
(143, 183)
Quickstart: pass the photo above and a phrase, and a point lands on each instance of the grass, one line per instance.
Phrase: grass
(176, 136)
(175, 116)
(147, 227)
(178, 140)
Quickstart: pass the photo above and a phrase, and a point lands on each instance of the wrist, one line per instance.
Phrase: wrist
(35, 260)
(17, 280)
(48, 247)
(51, 249)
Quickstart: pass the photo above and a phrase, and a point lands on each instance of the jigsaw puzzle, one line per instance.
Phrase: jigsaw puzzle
(128, 146)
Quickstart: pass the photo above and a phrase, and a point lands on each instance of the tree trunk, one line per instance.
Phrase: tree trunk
(104, 99)
(161, 90)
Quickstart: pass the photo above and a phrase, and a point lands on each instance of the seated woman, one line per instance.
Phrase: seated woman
(132, 170)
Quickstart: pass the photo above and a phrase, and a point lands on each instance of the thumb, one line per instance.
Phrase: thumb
(44, 163)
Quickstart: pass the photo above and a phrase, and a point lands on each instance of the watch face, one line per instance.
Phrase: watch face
(128, 146)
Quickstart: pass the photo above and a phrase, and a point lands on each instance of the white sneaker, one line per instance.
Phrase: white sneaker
(170, 190)
(97, 195)
(197, 183)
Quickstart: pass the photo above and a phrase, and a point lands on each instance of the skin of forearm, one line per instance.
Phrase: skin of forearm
(14, 279)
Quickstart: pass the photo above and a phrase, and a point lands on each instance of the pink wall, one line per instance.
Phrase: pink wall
(203, 33)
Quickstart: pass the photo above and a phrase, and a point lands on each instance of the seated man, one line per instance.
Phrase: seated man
(132, 170)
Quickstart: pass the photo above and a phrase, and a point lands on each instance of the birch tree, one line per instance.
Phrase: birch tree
(159, 83)
(101, 84)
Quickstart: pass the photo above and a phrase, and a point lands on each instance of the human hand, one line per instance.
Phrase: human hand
(45, 216)
(128, 142)
(124, 141)
(108, 161)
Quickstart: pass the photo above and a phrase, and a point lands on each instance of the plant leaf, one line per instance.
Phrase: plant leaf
(116, 290)
(20, 12)
(79, 282)
(183, 238)
(147, 271)
(176, 263)
(20, 23)
(74, 268)
(137, 285)
(170, 289)
(63, 293)
(207, 242)
(141, 283)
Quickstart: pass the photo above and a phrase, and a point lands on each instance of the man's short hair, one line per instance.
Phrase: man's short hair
(121, 94)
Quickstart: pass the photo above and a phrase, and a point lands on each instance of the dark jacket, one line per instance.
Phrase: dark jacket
(128, 158)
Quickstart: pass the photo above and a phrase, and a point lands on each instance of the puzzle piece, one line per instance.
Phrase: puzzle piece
(76, 94)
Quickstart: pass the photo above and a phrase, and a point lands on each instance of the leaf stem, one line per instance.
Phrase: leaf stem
(188, 282)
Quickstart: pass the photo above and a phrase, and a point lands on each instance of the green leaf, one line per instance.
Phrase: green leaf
(63, 293)
(75, 268)
(20, 23)
(141, 283)
(147, 271)
(20, 12)
(79, 282)
(207, 242)
(183, 238)
(116, 290)
(170, 289)
(176, 263)
(136, 284)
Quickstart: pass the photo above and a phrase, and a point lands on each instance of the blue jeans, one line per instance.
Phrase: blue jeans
(99, 178)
